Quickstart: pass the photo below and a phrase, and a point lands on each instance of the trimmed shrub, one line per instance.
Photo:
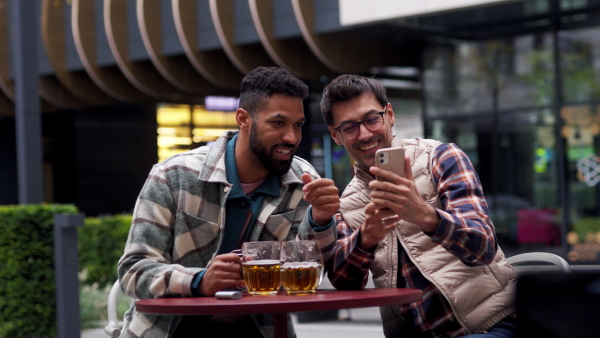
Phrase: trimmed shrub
(101, 244)
(27, 285)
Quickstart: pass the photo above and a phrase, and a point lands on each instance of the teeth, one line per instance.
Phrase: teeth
(368, 147)
(284, 151)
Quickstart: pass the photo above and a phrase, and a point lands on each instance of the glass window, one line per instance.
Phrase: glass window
(581, 130)
(185, 127)
(527, 175)
(455, 80)
(580, 62)
(485, 76)
(525, 72)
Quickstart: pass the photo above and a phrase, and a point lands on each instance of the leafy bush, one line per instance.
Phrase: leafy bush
(93, 301)
(27, 285)
(101, 244)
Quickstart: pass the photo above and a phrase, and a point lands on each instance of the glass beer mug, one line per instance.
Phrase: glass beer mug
(261, 267)
(302, 267)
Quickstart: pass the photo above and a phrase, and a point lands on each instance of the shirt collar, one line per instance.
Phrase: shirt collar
(270, 186)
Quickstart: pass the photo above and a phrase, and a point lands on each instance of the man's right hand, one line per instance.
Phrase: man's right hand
(225, 271)
(378, 223)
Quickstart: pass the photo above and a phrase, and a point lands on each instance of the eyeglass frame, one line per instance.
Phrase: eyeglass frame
(380, 113)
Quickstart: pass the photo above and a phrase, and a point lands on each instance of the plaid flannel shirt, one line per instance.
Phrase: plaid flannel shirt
(178, 224)
(465, 230)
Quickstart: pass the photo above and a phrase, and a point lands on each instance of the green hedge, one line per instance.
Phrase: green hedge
(101, 243)
(27, 287)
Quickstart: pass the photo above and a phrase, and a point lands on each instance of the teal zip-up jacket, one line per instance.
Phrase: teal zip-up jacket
(178, 227)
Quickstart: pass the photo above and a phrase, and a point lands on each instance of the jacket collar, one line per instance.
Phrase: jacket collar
(215, 168)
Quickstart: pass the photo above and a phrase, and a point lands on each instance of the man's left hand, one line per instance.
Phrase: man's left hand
(322, 194)
(400, 194)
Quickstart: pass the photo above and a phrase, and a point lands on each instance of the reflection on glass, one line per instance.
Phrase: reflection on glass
(580, 69)
(581, 128)
(485, 76)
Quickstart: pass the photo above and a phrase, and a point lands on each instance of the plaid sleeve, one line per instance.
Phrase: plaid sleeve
(145, 269)
(325, 235)
(466, 229)
(348, 266)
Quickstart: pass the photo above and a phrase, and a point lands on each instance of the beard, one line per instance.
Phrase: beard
(274, 167)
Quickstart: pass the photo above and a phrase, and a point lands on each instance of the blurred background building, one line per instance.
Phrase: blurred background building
(125, 83)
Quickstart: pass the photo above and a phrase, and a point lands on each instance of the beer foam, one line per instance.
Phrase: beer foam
(263, 262)
(301, 265)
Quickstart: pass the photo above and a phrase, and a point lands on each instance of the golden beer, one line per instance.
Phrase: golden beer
(301, 278)
(262, 277)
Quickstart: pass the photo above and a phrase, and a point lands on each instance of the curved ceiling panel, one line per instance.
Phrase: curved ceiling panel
(214, 65)
(77, 83)
(343, 53)
(142, 74)
(244, 57)
(52, 91)
(290, 54)
(176, 69)
(108, 78)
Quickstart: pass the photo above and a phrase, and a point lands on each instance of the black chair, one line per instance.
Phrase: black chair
(556, 305)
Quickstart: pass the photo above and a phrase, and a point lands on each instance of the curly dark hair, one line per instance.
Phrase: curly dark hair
(263, 82)
(347, 87)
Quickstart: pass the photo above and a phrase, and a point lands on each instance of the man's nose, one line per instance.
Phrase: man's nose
(363, 132)
(291, 136)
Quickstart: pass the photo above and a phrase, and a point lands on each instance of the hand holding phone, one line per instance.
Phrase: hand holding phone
(391, 159)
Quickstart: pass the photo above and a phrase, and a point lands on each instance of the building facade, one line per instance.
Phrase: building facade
(515, 84)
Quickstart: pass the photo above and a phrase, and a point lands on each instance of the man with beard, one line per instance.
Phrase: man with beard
(430, 230)
(198, 206)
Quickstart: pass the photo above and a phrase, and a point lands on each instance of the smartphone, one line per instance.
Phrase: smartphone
(391, 159)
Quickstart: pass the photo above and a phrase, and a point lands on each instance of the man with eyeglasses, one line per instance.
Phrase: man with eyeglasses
(430, 230)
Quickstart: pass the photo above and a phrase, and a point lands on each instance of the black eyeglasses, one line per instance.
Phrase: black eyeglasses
(373, 122)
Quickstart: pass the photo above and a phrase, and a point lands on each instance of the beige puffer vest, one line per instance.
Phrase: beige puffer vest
(480, 296)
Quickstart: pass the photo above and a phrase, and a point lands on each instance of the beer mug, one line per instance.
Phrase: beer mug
(261, 267)
(302, 267)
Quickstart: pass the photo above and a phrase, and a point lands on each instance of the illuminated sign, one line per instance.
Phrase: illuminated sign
(588, 170)
(223, 103)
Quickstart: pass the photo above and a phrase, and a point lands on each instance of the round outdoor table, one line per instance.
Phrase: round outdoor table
(279, 304)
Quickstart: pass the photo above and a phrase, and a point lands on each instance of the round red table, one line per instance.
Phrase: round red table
(279, 304)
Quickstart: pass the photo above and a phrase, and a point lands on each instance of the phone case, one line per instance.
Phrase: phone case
(391, 159)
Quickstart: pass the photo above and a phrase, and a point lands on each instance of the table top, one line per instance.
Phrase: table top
(280, 303)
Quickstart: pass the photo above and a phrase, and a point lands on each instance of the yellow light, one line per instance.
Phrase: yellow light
(166, 131)
(213, 132)
(205, 118)
(173, 115)
(175, 123)
(167, 141)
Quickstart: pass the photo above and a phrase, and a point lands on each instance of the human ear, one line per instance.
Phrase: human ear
(243, 119)
(391, 115)
(334, 135)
